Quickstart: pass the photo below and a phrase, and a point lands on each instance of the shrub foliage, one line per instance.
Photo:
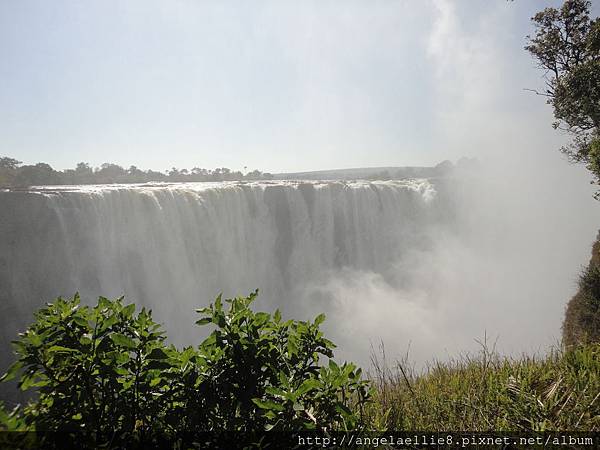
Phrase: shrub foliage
(107, 374)
(582, 318)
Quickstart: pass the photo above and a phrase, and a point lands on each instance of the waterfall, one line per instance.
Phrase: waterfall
(433, 264)
(174, 247)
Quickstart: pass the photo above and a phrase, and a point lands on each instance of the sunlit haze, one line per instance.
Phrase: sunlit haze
(270, 85)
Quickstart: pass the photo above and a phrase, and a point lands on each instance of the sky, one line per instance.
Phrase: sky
(270, 85)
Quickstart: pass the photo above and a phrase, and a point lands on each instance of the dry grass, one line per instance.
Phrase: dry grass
(486, 392)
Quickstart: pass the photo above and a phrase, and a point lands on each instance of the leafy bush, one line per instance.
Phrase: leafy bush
(106, 374)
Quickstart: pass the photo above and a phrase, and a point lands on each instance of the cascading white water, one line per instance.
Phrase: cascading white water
(434, 264)
(175, 247)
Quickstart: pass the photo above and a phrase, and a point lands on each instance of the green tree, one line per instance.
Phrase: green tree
(39, 174)
(9, 163)
(8, 170)
(111, 173)
(566, 45)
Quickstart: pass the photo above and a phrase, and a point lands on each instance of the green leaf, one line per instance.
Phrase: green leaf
(81, 321)
(121, 371)
(122, 340)
(60, 349)
(275, 391)
(267, 404)
(156, 364)
(307, 385)
(33, 338)
(128, 310)
(261, 318)
(218, 303)
(107, 323)
(12, 371)
(292, 348)
(219, 319)
(319, 319)
(333, 366)
(33, 380)
(157, 353)
(204, 321)
(328, 344)
(103, 303)
(283, 379)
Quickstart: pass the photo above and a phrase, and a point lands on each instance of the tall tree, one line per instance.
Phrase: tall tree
(9, 163)
(566, 45)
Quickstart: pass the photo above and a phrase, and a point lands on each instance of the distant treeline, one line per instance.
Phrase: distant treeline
(385, 173)
(14, 174)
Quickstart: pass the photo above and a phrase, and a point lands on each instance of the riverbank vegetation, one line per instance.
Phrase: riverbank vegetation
(582, 317)
(486, 392)
(14, 174)
(106, 374)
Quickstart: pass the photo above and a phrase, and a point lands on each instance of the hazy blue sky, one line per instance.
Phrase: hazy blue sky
(273, 85)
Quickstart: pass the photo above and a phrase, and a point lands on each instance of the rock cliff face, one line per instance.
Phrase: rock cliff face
(582, 318)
